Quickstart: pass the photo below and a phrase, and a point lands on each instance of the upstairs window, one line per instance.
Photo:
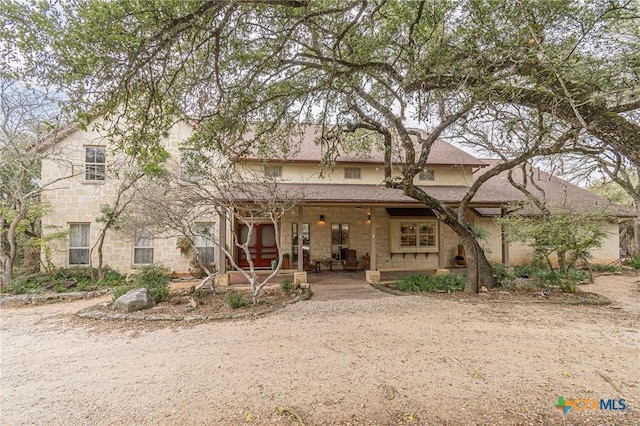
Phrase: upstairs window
(78, 244)
(143, 248)
(189, 165)
(352, 172)
(94, 163)
(273, 171)
(427, 175)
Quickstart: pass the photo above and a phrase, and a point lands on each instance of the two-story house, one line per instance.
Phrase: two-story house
(345, 208)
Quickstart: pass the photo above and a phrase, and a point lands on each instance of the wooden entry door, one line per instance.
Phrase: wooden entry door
(262, 245)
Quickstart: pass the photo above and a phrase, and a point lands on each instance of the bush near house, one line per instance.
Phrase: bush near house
(155, 279)
(63, 280)
(236, 300)
(430, 283)
(634, 262)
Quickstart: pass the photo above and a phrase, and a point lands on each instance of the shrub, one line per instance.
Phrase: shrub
(605, 268)
(634, 262)
(120, 291)
(577, 275)
(154, 278)
(38, 283)
(431, 283)
(503, 277)
(527, 271)
(112, 278)
(286, 285)
(236, 300)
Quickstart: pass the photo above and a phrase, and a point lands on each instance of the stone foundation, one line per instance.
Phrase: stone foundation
(372, 276)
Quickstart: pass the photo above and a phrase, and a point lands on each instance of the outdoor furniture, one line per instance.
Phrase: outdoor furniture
(326, 261)
(350, 261)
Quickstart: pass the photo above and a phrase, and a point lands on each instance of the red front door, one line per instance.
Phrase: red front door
(262, 245)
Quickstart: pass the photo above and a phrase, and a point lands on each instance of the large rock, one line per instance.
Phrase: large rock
(135, 300)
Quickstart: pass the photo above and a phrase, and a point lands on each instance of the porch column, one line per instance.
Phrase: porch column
(222, 239)
(505, 239)
(441, 263)
(300, 241)
(372, 249)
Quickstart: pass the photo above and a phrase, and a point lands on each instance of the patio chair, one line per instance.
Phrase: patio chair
(350, 262)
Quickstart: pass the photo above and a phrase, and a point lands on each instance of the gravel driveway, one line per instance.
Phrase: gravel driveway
(394, 360)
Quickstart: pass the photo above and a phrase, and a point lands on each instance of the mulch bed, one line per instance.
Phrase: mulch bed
(205, 304)
(550, 295)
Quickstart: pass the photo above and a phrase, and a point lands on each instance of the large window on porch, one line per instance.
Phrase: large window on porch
(339, 240)
(414, 235)
(306, 240)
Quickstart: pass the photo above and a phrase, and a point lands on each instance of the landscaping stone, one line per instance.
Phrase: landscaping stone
(135, 300)
(484, 289)
(441, 272)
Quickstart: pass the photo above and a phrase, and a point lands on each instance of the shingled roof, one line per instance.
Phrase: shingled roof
(307, 149)
(496, 193)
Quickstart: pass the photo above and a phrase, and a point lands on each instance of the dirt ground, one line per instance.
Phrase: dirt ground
(391, 360)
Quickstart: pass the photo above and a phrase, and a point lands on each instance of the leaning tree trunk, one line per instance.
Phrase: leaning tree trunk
(479, 271)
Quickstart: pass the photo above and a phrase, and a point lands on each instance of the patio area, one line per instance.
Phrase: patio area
(338, 285)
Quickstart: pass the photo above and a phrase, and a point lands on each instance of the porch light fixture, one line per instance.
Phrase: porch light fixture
(369, 217)
(321, 218)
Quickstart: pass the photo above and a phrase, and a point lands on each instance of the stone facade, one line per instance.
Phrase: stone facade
(77, 200)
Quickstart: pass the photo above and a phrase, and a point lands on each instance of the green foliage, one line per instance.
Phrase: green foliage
(120, 291)
(615, 193)
(598, 267)
(568, 235)
(286, 285)
(64, 280)
(237, 300)
(634, 262)
(503, 277)
(548, 277)
(430, 283)
(155, 279)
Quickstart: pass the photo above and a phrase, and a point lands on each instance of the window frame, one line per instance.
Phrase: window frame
(352, 169)
(92, 172)
(272, 171)
(208, 239)
(77, 248)
(306, 239)
(427, 175)
(337, 249)
(396, 234)
(137, 239)
(188, 159)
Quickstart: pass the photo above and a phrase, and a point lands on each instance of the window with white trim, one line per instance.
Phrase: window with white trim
(79, 234)
(205, 242)
(427, 175)
(94, 163)
(413, 235)
(352, 172)
(143, 247)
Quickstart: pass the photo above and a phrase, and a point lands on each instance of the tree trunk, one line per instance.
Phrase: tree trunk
(479, 271)
(636, 237)
(7, 276)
